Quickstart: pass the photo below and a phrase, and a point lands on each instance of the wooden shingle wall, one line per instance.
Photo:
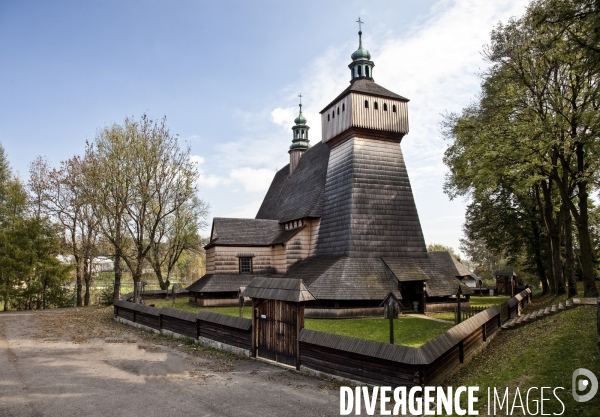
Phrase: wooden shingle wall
(210, 260)
(369, 209)
(226, 259)
(314, 235)
(337, 205)
(267, 259)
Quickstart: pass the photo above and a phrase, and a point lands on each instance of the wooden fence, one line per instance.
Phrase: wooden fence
(386, 364)
(347, 357)
(232, 331)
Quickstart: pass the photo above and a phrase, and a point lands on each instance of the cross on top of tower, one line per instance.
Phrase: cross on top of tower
(359, 23)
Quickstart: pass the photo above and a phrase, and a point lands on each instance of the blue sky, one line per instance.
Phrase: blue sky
(227, 75)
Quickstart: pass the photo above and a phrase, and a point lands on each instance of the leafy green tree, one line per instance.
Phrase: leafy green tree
(433, 247)
(31, 276)
(534, 125)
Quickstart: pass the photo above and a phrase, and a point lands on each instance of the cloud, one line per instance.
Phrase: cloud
(211, 180)
(284, 117)
(253, 179)
(245, 211)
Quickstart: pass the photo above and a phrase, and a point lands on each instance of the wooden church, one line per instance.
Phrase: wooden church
(340, 218)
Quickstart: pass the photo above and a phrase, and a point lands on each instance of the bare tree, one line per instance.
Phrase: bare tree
(59, 195)
(139, 176)
(175, 234)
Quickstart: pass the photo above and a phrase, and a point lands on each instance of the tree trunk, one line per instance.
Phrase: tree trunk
(585, 241)
(87, 277)
(137, 277)
(554, 235)
(78, 273)
(569, 255)
(537, 243)
(164, 285)
(117, 266)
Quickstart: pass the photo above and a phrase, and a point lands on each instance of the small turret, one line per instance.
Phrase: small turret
(361, 66)
(299, 140)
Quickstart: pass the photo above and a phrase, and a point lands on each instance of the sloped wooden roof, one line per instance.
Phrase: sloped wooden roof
(243, 232)
(366, 87)
(439, 281)
(407, 269)
(448, 262)
(344, 278)
(284, 289)
(300, 195)
(221, 282)
(248, 232)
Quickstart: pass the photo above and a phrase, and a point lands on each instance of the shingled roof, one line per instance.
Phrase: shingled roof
(248, 232)
(300, 195)
(221, 282)
(367, 87)
(283, 289)
(440, 282)
(448, 262)
(344, 278)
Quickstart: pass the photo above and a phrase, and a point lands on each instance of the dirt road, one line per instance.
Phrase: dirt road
(79, 362)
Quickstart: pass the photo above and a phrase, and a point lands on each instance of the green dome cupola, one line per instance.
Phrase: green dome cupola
(300, 132)
(299, 140)
(361, 66)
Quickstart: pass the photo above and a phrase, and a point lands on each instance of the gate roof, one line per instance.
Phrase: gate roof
(284, 289)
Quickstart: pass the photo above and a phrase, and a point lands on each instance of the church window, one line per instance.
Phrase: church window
(359, 71)
(384, 106)
(366, 104)
(343, 107)
(327, 117)
(333, 114)
(245, 265)
(375, 106)
(394, 108)
(338, 110)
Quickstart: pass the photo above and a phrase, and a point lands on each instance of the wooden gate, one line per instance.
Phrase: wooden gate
(278, 324)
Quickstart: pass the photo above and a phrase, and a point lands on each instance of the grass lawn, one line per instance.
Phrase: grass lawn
(478, 301)
(408, 331)
(447, 315)
(184, 304)
(541, 354)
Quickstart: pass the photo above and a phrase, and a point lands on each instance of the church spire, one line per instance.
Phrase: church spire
(361, 66)
(299, 139)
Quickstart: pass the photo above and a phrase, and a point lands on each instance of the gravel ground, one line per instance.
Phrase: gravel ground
(80, 362)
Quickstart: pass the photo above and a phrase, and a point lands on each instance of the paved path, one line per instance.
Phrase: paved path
(82, 363)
